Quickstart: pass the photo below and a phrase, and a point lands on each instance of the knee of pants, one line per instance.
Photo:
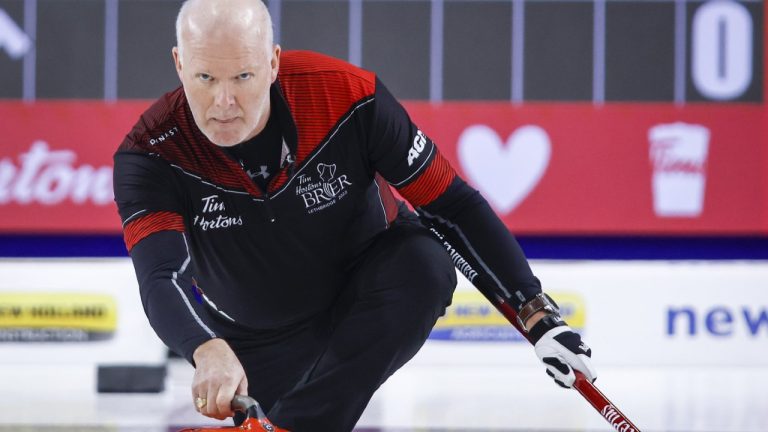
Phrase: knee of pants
(432, 290)
(426, 279)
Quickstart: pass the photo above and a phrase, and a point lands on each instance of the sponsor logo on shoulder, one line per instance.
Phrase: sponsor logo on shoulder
(419, 143)
(323, 193)
(164, 136)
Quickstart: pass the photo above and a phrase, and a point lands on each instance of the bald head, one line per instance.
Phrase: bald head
(246, 21)
(227, 63)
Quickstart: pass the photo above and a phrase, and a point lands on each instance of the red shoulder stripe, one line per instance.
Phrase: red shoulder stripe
(319, 91)
(431, 183)
(141, 228)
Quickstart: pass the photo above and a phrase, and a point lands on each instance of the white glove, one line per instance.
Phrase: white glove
(562, 350)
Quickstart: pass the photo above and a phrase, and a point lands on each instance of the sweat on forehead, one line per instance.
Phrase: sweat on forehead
(247, 20)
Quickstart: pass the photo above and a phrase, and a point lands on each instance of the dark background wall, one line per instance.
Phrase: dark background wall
(535, 50)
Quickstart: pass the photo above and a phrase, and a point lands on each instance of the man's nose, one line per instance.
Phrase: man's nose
(225, 95)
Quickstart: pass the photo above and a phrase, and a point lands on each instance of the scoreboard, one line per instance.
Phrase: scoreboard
(537, 50)
(649, 51)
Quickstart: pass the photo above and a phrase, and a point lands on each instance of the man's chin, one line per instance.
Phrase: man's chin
(225, 139)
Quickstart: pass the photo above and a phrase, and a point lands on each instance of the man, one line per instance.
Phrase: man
(269, 249)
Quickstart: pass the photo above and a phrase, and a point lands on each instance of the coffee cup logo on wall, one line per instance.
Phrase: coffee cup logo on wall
(678, 153)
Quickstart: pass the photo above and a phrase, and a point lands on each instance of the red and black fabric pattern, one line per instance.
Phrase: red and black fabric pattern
(404, 155)
(432, 182)
(168, 129)
(313, 84)
(141, 227)
(320, 92)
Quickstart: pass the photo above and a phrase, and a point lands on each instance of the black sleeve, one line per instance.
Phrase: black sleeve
(164, 270)
(480, 245)
(397, 148)
(150, 206)
(144, 184)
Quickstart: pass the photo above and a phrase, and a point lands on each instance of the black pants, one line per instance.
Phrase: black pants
(320, 374)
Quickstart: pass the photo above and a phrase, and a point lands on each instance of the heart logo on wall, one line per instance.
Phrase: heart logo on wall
(505, 173)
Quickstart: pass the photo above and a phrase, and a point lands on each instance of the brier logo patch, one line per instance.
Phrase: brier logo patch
(319, 195)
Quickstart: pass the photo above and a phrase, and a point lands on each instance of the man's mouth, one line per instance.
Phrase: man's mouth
(225, 121)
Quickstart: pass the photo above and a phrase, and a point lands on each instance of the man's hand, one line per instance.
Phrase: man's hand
(218, 377)
(561, 350)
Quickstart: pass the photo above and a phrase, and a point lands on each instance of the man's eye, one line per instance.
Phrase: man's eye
(244, 76)
(204, 77)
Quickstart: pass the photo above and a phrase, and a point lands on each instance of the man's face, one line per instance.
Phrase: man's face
(226, 81)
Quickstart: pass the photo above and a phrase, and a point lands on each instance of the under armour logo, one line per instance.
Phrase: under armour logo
(285, 156)
(326, 171)
(262, 173)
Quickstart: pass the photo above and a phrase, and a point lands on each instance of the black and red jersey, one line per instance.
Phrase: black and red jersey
(270, 257)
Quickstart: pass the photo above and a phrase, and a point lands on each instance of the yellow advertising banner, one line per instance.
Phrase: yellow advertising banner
(56, 316)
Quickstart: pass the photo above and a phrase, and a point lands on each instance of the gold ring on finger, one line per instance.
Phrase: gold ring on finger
(201, 402)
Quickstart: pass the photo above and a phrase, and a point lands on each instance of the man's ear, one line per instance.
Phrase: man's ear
(275, 63)
(177, 60)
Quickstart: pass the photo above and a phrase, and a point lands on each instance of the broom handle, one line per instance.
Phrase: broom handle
(592, 394)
